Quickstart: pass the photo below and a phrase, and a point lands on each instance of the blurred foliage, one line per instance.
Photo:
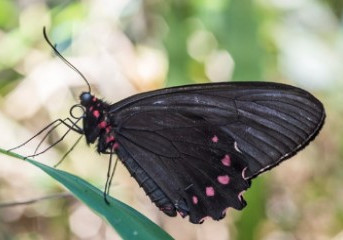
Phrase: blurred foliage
(337, 6)
(8, 79)
(9, 14)
(154, 42)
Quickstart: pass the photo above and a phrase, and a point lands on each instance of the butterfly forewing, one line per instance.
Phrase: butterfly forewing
(269, 121)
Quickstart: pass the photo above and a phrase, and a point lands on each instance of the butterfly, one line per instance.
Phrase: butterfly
(195, 149)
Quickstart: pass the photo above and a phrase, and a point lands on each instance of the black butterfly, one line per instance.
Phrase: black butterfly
(195, 149)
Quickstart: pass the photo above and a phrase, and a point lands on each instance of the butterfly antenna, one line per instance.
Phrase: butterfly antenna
(65, 60)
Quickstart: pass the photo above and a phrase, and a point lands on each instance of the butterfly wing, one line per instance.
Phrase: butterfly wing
(201, 144)
(199, 176)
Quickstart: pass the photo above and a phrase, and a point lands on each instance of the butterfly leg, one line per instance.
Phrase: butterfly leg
(59, 121)
(75, 128)
(110, 174)
(66, 154)
(72, 127)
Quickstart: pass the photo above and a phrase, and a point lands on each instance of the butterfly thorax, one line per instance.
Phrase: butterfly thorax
(96, 123)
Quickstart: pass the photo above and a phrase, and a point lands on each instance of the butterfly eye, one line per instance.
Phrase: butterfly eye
(86, 99)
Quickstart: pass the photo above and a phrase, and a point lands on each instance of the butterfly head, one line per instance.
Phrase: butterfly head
(86, 99)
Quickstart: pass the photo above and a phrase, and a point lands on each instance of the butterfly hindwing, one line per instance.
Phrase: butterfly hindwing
(203, 175)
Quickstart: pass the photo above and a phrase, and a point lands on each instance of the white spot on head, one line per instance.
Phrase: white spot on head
(209, 191)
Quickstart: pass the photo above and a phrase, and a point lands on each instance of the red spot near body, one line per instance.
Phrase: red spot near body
(96, 113)
(102, 125)
(226, 161)
(195, 199)
(109, 139)
(108, 129)
(115, 146)
(209, 191)
(215, 139)
(223, 179)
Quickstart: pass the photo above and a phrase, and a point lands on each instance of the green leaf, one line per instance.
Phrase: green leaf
(9, 14)
(129, 223)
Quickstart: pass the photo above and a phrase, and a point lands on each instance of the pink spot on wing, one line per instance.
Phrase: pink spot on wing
(223, 179)
(209, 191)
(215, 139)
(91, 108)
(94, 99)
(102, 125)
(96, 113)
(226, 161)
(195, 199)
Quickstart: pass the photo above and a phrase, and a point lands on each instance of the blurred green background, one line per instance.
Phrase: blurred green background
(125, 47)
